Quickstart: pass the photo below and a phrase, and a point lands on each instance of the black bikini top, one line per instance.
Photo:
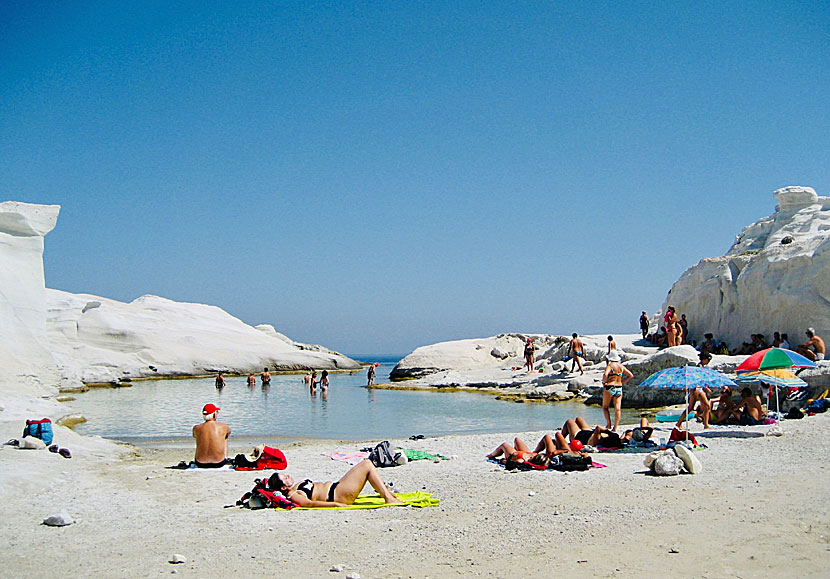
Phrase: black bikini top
(307, 487)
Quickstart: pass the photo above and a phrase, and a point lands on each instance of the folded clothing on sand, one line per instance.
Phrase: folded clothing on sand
(413, 499)
(422, 455)
(348, 457)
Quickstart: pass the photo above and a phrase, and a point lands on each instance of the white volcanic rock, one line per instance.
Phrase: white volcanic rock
(51, 338)
(502, 351)
(28, 369)
(776, 276)
(96, 339)
(483, 361)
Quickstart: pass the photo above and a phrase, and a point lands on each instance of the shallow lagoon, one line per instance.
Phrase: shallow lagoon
(168, 409)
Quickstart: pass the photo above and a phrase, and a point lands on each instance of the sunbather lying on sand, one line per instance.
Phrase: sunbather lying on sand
(546, 449)
(638, 435)
(333, 494)
(579, 430)
(519, 452)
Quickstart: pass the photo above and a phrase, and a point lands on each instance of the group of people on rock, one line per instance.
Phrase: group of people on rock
(673, 332)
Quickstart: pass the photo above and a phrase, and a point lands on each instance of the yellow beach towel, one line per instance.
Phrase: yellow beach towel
(414, 499)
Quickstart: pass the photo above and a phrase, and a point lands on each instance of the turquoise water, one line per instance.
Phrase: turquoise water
(163, 409)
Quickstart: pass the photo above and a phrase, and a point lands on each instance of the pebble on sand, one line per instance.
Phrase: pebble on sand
(59, 520)
(176, 559)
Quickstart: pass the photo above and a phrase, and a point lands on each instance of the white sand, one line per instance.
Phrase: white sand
(760, 508)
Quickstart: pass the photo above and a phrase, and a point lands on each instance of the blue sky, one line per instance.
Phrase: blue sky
(379, 176)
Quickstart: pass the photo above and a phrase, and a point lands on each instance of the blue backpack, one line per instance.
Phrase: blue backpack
(818, 406)
(41, 429)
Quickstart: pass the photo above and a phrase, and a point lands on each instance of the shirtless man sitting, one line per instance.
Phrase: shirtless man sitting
(749, 411)
(211, 440)
(813, 349)
(576, 351)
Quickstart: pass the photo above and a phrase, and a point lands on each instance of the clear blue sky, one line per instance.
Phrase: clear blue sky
(379, 176)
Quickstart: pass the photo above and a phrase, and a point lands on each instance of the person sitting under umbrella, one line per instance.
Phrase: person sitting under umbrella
(698, 398)
(723, 413)
(749, 411)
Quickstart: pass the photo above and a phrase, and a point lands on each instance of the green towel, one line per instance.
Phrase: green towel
(415, 499)
(421, 455)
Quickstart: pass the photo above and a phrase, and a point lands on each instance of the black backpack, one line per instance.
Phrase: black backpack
(384, 454)
(570, 462)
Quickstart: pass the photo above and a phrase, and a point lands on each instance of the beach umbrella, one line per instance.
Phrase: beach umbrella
(773, 358)
(685, 378)
(778, 377)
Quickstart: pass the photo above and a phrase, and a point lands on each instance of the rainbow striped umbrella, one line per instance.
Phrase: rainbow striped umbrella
(777, 377)
(773, 358)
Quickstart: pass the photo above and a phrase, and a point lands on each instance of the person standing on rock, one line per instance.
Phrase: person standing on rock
(371, 374)
(644, 325)
(614, 378)
(265, 377)
(813, 349)
(671, 326)
(211, 439)
(612, 345)
(576, 351)
(530, 353)
(683, 330)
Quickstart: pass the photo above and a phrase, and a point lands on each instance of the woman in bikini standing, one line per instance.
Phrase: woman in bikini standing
(615, 376)
(671, 327)
(333, 494)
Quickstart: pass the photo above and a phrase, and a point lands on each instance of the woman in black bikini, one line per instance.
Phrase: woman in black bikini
(593, 436)
(333, 494)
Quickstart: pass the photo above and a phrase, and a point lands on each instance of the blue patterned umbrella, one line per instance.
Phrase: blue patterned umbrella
(687, 377)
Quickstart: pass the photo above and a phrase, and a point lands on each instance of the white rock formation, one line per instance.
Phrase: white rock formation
(27, 369)
(776, 276)
(51, 338)
(502, 351)
(96, 339)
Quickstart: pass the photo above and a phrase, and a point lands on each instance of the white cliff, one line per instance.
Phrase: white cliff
(27, 368)
(52, 339)
(96, 339)
(775, 277)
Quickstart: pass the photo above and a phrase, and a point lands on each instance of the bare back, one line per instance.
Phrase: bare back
(211, 441)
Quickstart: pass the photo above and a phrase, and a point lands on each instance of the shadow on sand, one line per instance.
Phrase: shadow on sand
(728, 434)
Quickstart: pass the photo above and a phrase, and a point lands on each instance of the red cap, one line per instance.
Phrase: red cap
(576, 445)
(210, 409)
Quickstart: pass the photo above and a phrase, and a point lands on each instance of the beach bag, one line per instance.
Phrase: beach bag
(573, 462)
(267, 458)
(384, 455)
(677, 435)
(795, 414)
(41, 429)
(816, 406)
(261, 497)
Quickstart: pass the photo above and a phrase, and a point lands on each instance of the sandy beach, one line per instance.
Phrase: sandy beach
(759, 508)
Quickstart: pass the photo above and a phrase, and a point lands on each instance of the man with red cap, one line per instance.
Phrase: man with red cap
(211, 440)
